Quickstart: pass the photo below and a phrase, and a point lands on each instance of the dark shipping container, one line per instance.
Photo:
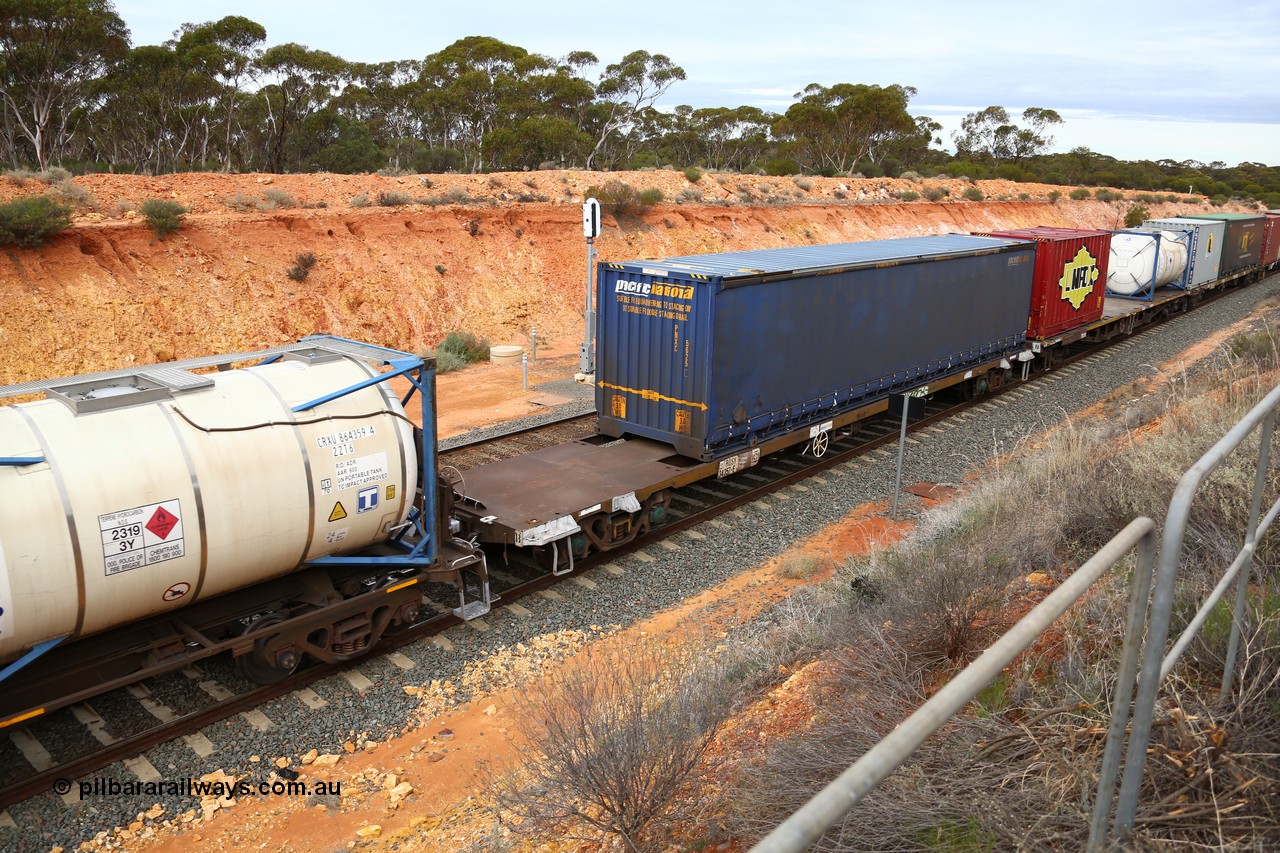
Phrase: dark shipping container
(1243, 241)
(1070, 278)
(715, 353)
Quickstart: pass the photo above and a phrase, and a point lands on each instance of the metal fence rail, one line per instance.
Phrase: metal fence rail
(830, 805)
(1156, 665)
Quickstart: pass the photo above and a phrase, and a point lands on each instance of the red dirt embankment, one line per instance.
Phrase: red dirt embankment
(108, 293)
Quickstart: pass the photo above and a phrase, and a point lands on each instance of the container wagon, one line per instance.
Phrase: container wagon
(714, 354)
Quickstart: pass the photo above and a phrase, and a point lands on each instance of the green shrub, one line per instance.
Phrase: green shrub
(273, 198)
(1080, 194)
(19, 177)
(162, 215)
(302, 266)
(1024, 196)
(911, 175)
(972, 194)
(1218, 200)
(689, 195)
(447, 362)
(908, 195)
(27, 222)
(621, 199)
(651, 196)
(1135, 217)
(394, 199)
(693, 173)
(458, 349)
(781, 166)
(1054, 195)
(1104, 194)
(936, 193)
(73, 194)
(54, 175)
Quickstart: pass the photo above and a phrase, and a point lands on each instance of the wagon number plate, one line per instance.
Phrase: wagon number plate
(738, 462)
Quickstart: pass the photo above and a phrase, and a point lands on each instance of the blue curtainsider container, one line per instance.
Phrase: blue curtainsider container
(717, 353)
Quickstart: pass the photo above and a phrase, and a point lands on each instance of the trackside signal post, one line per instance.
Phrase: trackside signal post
(590, 230)
(911, 405)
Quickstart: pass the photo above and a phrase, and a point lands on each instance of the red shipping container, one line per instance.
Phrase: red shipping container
(1271, 239)
(1070, 277)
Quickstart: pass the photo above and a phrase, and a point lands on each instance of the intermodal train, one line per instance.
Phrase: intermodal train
(291, 509)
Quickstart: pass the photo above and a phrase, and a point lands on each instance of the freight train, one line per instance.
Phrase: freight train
(290, 509)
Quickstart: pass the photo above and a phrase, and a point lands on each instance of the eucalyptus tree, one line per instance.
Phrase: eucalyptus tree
(626, 89)
(303, 81)
(991, 136)
(153, 111)
(227, 51)
(833, 128)
(383, 97)
(469, 86)
(51, 53)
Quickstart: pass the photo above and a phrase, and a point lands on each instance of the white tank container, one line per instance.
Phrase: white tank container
(137, 509)
(1142, 262)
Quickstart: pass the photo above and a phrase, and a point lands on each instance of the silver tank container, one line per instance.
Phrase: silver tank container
(151, 498)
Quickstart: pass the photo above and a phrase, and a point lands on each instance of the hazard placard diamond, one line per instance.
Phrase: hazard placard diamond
(162, 522)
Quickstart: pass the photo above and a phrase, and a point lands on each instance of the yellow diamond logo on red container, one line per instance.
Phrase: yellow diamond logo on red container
(1078, 277)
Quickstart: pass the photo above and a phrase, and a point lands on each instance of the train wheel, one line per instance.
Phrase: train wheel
(818, 446)
(256, 665)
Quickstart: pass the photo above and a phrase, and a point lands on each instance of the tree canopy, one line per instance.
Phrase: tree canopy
(217, 95)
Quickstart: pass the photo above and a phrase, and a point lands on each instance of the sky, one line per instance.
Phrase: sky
(1178, 80)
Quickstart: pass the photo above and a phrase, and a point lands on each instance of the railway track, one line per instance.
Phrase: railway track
(125, 724)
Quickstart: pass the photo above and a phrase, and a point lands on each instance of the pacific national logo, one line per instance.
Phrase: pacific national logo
(657, 288)
(1078, 277)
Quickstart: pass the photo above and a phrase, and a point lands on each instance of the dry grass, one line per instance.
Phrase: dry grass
(615, 744)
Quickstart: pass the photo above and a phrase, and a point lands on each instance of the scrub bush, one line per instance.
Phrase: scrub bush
(458, 349)
(302, 266)
(163, 216)
(394, 199)
(26, 222)
(621, 199)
